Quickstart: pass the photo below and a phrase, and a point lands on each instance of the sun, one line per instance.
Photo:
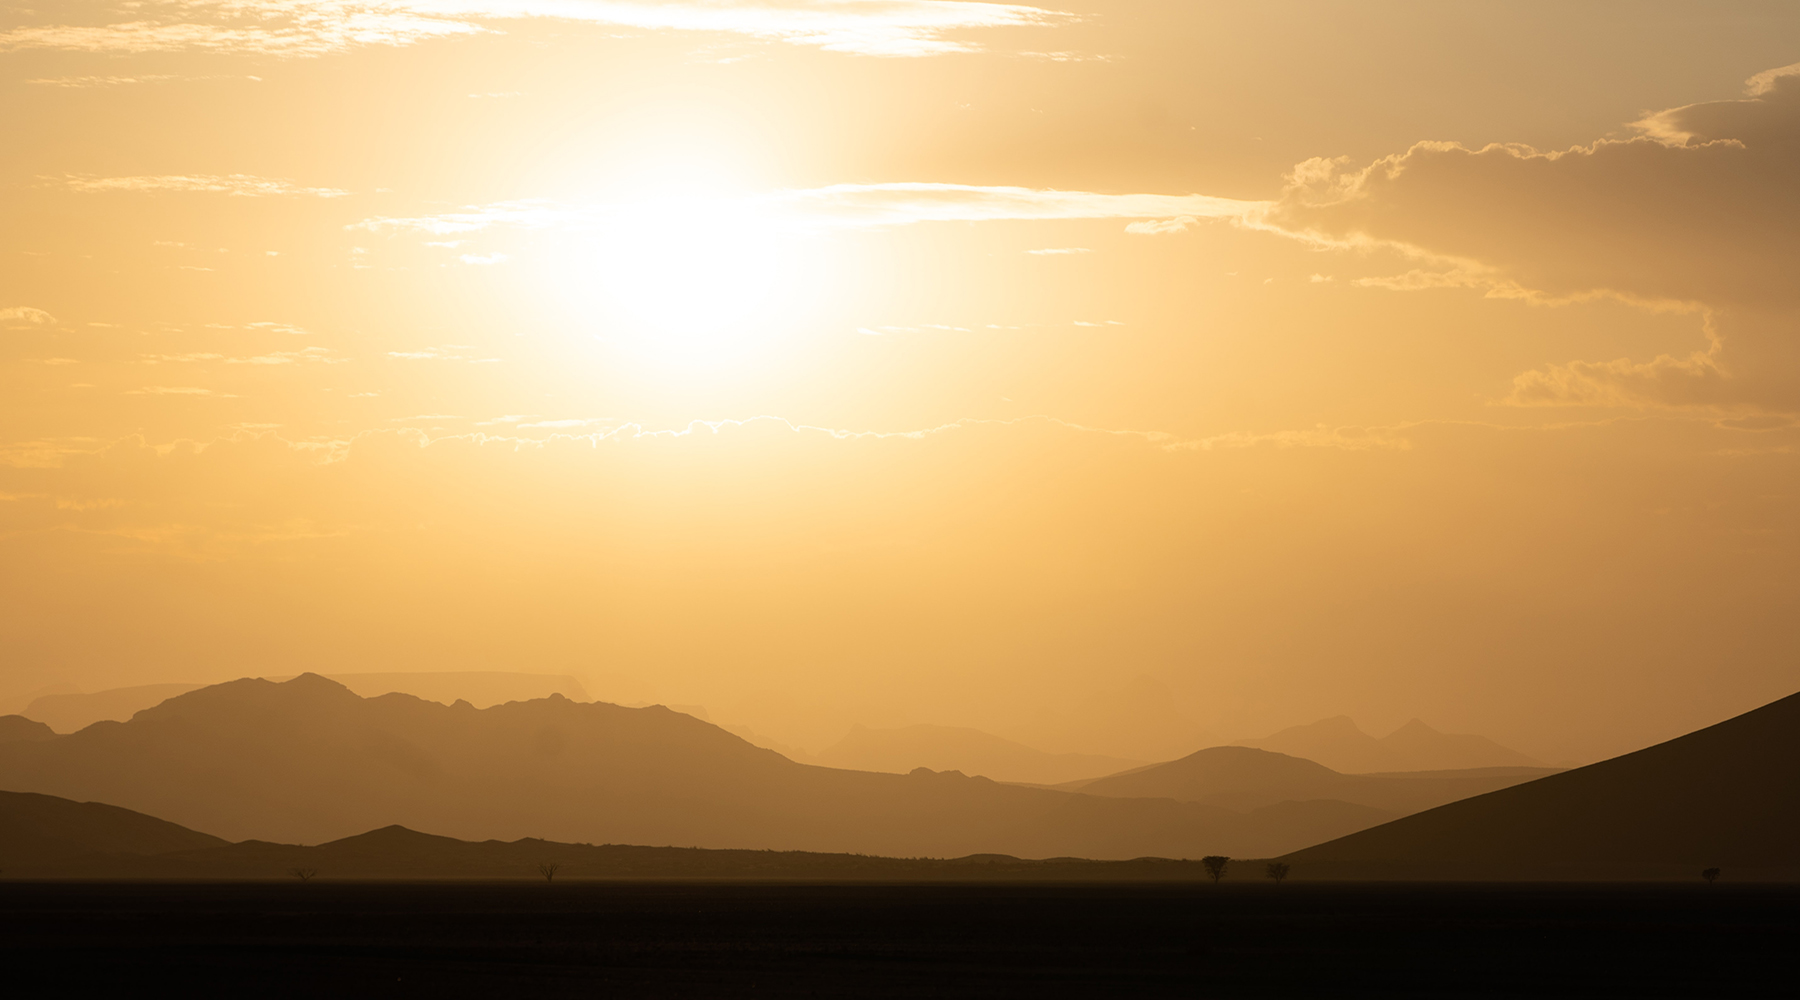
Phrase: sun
(693, 280)
(686, 271)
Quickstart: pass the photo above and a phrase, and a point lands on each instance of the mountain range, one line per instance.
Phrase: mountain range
(281, 760)
(69, 712)
(308, 761)
(1340, 745)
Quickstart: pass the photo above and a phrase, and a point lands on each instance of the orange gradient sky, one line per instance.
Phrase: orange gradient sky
(1115, 376)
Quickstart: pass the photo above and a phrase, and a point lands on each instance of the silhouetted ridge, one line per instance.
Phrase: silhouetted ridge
(1725, 796)
(38, 829)
(19, 729)
(1240, 777)
(87, 840)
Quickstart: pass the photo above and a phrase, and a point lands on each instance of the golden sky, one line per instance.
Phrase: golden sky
(1115, 376)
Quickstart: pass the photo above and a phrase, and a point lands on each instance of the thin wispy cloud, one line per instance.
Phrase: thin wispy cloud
(319, 27)
(234, 185)
(876, 205)
(445, 352)
(175, 390)
(849, 206)
(24, 316)
(527, 214)
(1156, 227)
(84, 82)
(320, 355)
(98, 81)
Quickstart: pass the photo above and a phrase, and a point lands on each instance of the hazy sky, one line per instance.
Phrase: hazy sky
(1118, 377)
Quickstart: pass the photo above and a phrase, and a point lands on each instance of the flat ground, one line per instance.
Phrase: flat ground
(598, 939)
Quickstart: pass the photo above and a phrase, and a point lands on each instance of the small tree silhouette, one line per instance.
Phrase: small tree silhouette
(548, 869)
(1276, 870)
(1711, 875)
(1215, 866)
(303, 874)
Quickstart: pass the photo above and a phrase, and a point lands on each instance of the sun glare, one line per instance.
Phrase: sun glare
(690, 284)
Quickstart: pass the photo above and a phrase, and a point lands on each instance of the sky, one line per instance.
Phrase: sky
(1115, 376)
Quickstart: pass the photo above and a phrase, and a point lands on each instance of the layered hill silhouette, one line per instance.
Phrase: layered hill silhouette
(19, 729)
(1727, 796)
(68, 713)
(39, 832)
(309, 761)
(1246, 778)
(1338, 744)
(42, 836)
(971, 751)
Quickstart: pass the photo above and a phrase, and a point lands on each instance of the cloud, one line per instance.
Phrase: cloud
(842, 206)
(1154, 227)
(1696, 213)
(25, 316)
(875, 205)
(318, 27)
(100, 81)
(236, 185)
(321, 355)
(445, 352)
(477, 259)
(527, 214)
(1696, 380)
(157, 359)
(312, 354)
(1702, 207)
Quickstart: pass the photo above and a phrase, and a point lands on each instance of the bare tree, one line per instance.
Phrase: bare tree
(303, 874)
(1276, 870)
(548, 869)
(1215, 866)
(1711, 875)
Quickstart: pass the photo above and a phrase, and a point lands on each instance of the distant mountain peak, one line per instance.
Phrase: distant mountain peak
(1337, 724)
(1339, 744)
(19, 729)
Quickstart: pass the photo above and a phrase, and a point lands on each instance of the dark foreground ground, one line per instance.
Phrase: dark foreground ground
(598, 939)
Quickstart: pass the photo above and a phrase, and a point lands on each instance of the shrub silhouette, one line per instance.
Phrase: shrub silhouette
(1276, 870)
(303, 874)
(1711, 875)
(1215, 866)
(548, 869)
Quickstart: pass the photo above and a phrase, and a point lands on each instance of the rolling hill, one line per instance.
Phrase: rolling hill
(1246, 778)
(19, 729)
(397, 853)
(39, 830)
(1727, 796)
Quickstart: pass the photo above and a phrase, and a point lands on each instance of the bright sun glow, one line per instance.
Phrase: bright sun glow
(689, 284)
